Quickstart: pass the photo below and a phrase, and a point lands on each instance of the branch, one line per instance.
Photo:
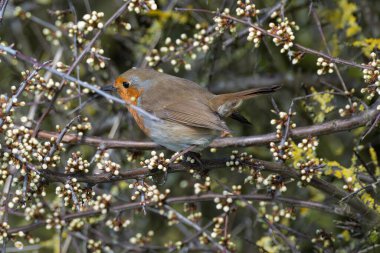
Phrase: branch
(77, 61)
(22, 87)
(363, 212)
(191, 199)
(65, 76)
(3, 6)
(265, 32)
(329, 127)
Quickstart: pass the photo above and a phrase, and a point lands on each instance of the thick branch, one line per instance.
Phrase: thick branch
(362, 211)
(328, 127)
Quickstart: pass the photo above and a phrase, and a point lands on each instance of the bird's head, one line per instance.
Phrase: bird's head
(129, 85)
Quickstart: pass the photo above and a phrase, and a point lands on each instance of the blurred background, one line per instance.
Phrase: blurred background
(45, 30)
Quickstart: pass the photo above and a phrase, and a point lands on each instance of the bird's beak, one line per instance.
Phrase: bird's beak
(108, 88)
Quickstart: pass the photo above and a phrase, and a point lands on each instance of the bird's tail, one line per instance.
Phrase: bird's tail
(226, 104)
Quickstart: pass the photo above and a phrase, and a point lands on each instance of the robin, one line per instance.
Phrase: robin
(190, 117)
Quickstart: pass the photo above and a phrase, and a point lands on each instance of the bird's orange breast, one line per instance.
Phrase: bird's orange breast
(132, 95)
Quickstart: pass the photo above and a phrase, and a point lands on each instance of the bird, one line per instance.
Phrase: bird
(189, 116)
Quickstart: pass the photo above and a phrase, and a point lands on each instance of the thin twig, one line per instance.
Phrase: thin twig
(188, 222)
(318, 23)
(22, 87)
(60, 137)
(3, 6)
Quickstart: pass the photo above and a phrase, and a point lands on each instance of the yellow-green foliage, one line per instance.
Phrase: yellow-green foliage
(375, 161)
(300, 155)
(348, 174)
(368, 45)
(268, 244)
(323, 105)
(344, 18)
(164, 16)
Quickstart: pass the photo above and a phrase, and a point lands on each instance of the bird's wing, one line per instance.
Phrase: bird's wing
(181, 101)
(192, 113)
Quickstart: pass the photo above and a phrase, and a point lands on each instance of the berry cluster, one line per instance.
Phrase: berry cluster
(223, 23)
(140, 239)
(372, 77)
(76, 224)
(149, 193)
(4, 226)
(282, 151)
(324, 239)
(96, 60)
(109, 167)
(97, 246)
(195, 215)
(35, 211)
(283, 32)
(82, 127)
(205, 187)
(55, 220)
(172, 218)
(141, 6)
(255, 36)
(246, 8)
(181, 51)
(325, 66)
(308, 143)
(275, 183)
(75, 195)
(349, 109)
(38, 84)
(350, 184)
(76, 164)
(308, 169)
(282, 122)
(308, 165)
(156, 162)
(118, 223)
(218, 231)
(274, 213)
(102, 203)
(224, 203)
(89, 23)
(243, 161)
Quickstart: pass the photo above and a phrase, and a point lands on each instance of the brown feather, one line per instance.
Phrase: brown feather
(192, 113)
(226, 104)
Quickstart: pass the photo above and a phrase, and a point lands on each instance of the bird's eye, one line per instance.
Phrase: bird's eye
(126, 84)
